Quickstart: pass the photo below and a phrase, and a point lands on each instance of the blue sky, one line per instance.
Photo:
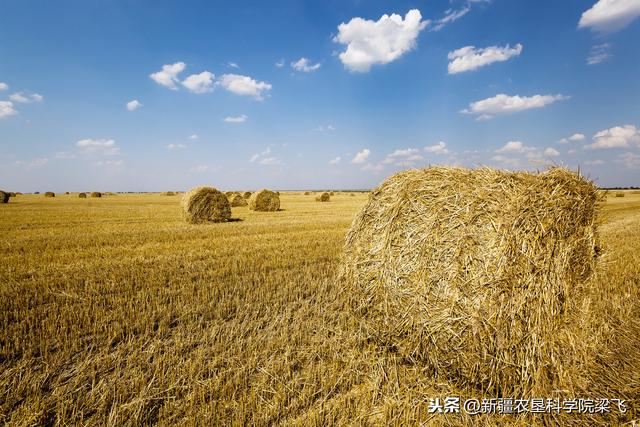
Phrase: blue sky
(159, 95)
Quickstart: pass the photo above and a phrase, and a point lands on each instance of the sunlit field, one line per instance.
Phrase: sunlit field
(116, 311)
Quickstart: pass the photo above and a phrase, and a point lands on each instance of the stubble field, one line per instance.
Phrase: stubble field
(116, 311)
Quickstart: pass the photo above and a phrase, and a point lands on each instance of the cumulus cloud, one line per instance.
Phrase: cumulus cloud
(551, 152)
(335, 161)
(505, 104)
(26, 98)
(573, 138)
(599, 53)
(244, 85)
(508, 161)
(133, 105)
(4, 86)
(439, 148)
(168, 76)
(512, 147)
(305, 66)
(403, 157)
(630, 160)
(104, 147)
(378, 42)
(615, 137)
(236, 119)
(176, 147)
(270, 161)
(607, 16)
(469, 58)
(6, 109)
(199, 83)
(194, 136)
(361, 156)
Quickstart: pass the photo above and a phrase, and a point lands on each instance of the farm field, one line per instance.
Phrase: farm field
(116, 311)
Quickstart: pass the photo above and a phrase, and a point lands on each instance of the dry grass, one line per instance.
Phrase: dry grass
(120, 313)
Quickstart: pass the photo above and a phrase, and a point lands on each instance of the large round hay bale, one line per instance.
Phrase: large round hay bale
(82, 195)
(476, 272)
(205, 204)
(247, 194)
(306, 193)
(237, 200)
(324, 197)
(4, 197)
(168, 193)
(96, 194)
(264, 200)
(49, 194)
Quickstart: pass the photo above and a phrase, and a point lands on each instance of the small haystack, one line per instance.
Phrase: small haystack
(331, 193)
(205, 204)
(49, 194)
(96, 194)
(476, 272)
(247, 194)
(324, 197)
(168, 193)
(4, 197)
(264, 200)
(237, 200)
(620, 194)
(306, 193)
(82, 195)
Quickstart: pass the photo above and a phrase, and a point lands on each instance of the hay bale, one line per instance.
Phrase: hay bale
(229, 193)
(246, 194)
(331, 193)
(205, 204)
(168, 193)
(82, 195)
(324, 197)
(264, 200)
(238, 200)
(49, 194)
(66, 192)
(306, 193)
(96, 194)
(12, 194)
(620, 194)
(352, 195)
(476, 272)
(4, 197)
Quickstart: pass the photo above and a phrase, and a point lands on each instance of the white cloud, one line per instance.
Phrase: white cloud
(263, 154)
(508, 161)
(6, 109)
(202, 168)
(26, 99)
(615, 137)
(403, 157)
(439, 148)
(110, 163)
(469, 58)
(105, 147)
(335, 161)
(512, 147)
(133, 105)
(450, 16)
(378, 42)
(551, 152)
(594, 162)
(599, 53)
(176, 146)
(610, 15)
(304, 65)
(194, 136)
(64, 155)
(504, 104)
(244, 85)
(199, 83)
(237, 119)
(4, 86)
(232, 65)
(270, 161)
(573, 138)
(329, 128)
(361, 156)
(168, 76)
(280, 63)
(630, 160)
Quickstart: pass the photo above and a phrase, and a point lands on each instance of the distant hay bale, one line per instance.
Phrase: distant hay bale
(66, 192)
(49, 194)
(36, 192)
(352, 195)
(476, 272)
(4, 197)
(331, 193)
(264, 200)
(205, 204)
(324, 197)
(168, 193)
(237, 200)
(82, 195)
(306, 193)
(96, 194)
(246, 194)
(620, 194)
